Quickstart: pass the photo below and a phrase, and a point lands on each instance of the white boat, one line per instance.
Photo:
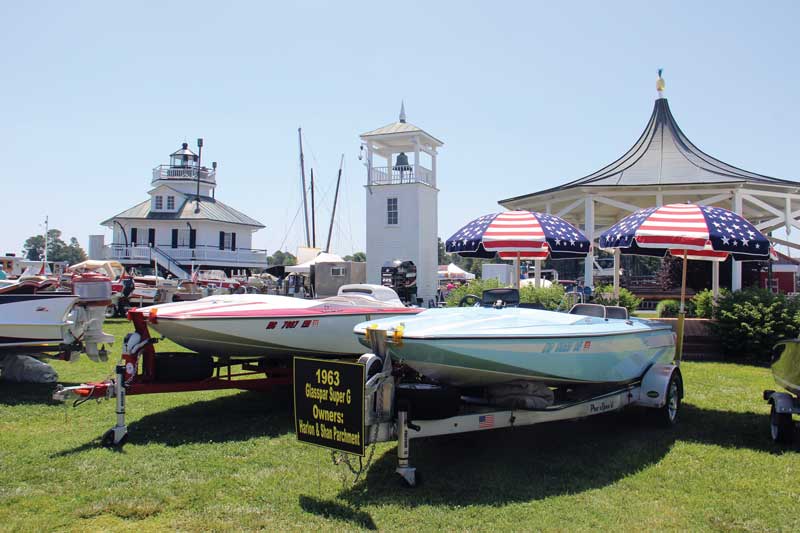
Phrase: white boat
(259, 325)
(481, 346)
(50, 322)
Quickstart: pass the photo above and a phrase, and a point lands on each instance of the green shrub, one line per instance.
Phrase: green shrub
(751, 321)
(548, 297)
(668, 308)
(604, 295)
(704, 303)
(475, 286)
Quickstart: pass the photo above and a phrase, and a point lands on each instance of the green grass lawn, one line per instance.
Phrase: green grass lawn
(229, 460)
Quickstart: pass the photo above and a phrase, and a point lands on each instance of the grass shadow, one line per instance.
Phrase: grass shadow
(229, 418)
(337, 511)
(237, 417)
(553, 459)
(12, 394)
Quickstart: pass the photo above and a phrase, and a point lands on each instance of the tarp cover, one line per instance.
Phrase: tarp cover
(323, 257)
(26, 369)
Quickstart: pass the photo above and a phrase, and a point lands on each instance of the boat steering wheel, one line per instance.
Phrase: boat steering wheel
(469, 300)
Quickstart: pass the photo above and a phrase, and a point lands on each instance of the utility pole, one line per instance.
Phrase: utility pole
(199, 161)
(46, 237)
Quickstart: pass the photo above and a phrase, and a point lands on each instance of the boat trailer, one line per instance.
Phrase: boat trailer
(131, 377)
(386, 419)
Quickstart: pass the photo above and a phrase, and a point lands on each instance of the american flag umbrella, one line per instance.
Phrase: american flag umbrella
(691, 231)
(697, 231)
(519, 235)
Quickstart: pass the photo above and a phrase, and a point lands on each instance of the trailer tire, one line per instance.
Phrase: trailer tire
(667, 416)
(183, 366)
(111, 311)
(426, 401)
(781, 426)
(107, 440)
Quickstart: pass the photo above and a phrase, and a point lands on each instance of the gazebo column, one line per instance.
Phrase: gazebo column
(588, 267)
(736, 272)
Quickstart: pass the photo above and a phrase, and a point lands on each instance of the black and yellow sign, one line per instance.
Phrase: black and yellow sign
(329, 404)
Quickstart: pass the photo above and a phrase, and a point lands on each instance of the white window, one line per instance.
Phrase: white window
(170, 203)
(159, 203)
(391, 211)
(183, 235)
(337, 272)
(228, 240)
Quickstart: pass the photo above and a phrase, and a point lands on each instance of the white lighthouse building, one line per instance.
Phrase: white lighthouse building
(402, 206)
(182, 225)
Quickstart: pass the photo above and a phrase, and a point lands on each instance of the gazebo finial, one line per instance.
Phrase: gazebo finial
(402, 112)
(660, 84)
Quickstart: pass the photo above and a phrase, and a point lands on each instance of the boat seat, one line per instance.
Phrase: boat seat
(509, 297)
(613, 311)
(595, 310)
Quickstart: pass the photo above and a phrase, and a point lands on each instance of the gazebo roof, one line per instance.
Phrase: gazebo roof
(663, 155)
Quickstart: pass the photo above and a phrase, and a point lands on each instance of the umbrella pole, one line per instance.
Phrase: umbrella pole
(518, 271)
(681, 313)
(616, 275)
(538, 281)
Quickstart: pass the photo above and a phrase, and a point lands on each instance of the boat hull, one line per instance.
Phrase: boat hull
(786, 365)
(35, 323)
(481, 347)
(616, 359)
(276, 336)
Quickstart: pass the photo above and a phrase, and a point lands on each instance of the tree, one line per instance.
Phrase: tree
(57, 249)
(358, 257)
(444, 258)
(281, 258)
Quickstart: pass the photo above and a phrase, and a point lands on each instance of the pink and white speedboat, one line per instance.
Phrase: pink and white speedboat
(259, 325)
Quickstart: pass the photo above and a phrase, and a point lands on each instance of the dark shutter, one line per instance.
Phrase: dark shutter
(151, 236)
(233, 241)
(134, 235)
(174, 238)
(221, 240)
(192, 238)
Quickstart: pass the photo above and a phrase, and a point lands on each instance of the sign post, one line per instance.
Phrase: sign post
(329, 404)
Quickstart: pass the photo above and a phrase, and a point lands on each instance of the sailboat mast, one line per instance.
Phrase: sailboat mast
(335, 198)
(303, 177)
(313, 214)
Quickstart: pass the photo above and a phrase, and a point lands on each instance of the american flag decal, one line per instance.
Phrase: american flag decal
(530, 234)
(485, 421)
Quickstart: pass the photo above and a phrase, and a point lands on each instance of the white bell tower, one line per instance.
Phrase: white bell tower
(402, 207)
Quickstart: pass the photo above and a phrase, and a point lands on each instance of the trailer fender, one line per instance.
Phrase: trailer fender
(653, 391)
(783, 402)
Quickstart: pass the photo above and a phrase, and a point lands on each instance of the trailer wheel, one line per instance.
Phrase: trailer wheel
(781, 426)
(107, 441)
(110, 312)
(667, 416)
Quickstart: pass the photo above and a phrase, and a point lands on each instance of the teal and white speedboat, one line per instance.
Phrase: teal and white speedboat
(481, 346)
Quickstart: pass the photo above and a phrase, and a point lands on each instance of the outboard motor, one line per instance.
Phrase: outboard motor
(94, 296)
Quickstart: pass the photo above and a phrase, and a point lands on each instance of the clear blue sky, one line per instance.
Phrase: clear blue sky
(525, 96)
